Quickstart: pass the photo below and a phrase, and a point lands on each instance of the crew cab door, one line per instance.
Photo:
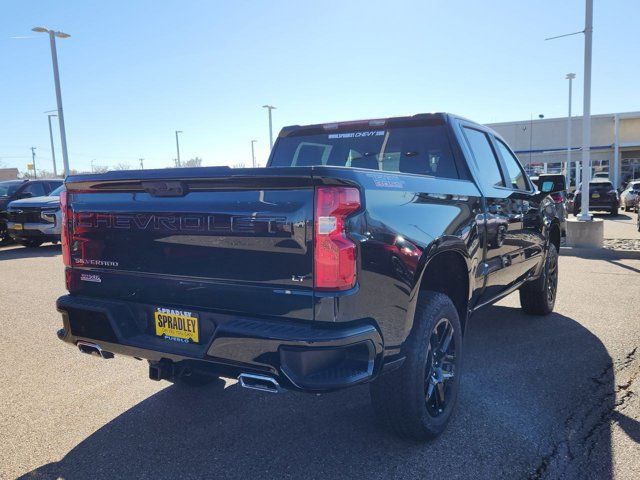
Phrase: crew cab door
(503, 214)
(526, 202)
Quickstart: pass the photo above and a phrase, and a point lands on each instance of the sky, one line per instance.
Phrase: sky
(134, 72)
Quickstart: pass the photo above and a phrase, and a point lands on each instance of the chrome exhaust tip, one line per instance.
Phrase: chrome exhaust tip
(93, 349)
(259, 382)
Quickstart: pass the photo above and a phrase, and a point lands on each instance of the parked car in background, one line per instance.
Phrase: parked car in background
(629, 197)
(604, 175)
(602, 196)
(559, 195)
(356, 256)
(34, 221)
(18, 189)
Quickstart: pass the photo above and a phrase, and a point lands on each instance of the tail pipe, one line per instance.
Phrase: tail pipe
(93, 349)
(259, 382)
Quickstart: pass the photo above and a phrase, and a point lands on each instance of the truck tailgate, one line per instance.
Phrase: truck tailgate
(213, 243)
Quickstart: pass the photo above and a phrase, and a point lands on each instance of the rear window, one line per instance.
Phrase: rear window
(608, 185)
(423, 150)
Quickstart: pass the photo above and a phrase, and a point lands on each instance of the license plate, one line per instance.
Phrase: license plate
(17, 226)
(595, 195)
(177, 325)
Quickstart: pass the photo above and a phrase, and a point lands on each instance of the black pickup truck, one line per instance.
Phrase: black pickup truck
(358, 255)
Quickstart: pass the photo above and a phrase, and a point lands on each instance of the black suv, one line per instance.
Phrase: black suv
(11, 190)
(602, 196)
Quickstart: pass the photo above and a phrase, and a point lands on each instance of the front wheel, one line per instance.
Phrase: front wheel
(538, 297)
(417, 400)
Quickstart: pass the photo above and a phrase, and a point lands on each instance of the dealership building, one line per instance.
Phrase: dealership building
(541, 144)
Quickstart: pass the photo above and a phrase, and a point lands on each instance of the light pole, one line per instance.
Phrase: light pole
(53, 150)
(531, 139)
(570, 77)
(586, 114)
(142, 164)
(178, 147)
(270, 107)
(56, 78)
(253, 155)
(33, 162)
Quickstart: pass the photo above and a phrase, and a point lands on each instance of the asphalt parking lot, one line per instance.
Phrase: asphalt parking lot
(552, 397)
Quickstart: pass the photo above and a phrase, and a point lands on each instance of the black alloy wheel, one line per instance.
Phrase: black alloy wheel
(440, 368)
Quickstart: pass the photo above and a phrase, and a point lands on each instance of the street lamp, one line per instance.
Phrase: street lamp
(53, 150)
(253, 156)
(178, 147)
(56, 78)
(570, 77)
(541, 116)
(270, 107)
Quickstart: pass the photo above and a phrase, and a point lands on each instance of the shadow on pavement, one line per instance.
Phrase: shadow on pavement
(618, 218)
(600, 253)
(536, 393)
(13, 252)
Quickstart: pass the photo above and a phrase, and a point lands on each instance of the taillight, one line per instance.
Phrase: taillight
(335, 253)
(557, 198)
(65, 234)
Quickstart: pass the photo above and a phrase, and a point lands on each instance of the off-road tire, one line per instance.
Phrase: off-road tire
(535, 298)
(400, 397)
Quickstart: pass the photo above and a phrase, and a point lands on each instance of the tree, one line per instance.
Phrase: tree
(194, 162)
(122, 166)
(99, 169)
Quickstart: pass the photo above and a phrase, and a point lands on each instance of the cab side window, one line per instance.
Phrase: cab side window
(488, 168)
(515, 174)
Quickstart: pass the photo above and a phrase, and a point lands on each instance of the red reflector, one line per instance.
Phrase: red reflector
(65, 234)
(335, 253)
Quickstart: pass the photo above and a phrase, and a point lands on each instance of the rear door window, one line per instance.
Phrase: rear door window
(488, 169)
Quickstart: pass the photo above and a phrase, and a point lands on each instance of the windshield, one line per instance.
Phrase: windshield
(8, 188)
(423, 150)
(56, 192)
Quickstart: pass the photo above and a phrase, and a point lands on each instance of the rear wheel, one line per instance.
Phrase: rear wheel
(614, 210)
(31, 243)
(417, 400)
(539, 296)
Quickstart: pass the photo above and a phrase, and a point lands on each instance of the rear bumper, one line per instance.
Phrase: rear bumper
(599, 204)
(305, 355)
